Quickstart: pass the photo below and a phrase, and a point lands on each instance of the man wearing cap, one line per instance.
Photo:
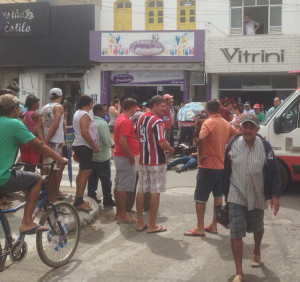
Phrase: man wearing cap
(51, 131)
(14, 132)
(169, 119)
(247, 109)
(251, 177)
(277, 102)
(259, 115)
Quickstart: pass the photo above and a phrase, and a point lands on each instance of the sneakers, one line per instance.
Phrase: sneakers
(178, 170)
(255, 261)
(109, 203)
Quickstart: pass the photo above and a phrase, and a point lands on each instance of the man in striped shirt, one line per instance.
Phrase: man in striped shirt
(153, 169)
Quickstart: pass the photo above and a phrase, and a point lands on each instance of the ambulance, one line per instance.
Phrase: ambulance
(282, 130)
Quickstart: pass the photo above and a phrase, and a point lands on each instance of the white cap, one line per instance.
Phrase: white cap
(55, 91)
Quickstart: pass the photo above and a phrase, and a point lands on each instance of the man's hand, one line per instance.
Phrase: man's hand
(131, 160)
(63, 161)
(96, 148)
(274, 205)
(171, 151)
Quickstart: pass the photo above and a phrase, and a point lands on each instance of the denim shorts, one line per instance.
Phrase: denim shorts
(241, 220)
(208, 180)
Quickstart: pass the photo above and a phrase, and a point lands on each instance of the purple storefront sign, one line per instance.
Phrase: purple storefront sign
(189, 46)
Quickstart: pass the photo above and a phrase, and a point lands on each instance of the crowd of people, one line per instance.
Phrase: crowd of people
(246, 173)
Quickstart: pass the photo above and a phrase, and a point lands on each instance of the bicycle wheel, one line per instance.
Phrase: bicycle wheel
(57, 246)
(4, 242)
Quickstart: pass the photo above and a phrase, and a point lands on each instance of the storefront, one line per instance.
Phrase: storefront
(40, 50)
(143, 64)
(252, 68)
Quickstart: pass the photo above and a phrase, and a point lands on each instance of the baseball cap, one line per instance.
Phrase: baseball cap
(168, 96)
(55, 91)
(8, 101)
(247, 103)
(144, 104)
(256, 106)
(251, 118)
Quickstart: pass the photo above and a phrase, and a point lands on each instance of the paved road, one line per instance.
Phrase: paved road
(112, 252)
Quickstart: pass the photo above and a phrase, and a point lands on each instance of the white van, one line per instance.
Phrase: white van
(282, 130)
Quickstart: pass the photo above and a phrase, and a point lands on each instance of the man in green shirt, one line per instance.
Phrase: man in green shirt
(259, 115)
(101, 160)
(13, 133)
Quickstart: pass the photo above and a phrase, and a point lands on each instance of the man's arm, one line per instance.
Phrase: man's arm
(58, 111)
(40, 129)
(257, 27)
(125, 148)
(84, 128)
(43, 149)
(200, 145)
(104, 134)
(166, 147)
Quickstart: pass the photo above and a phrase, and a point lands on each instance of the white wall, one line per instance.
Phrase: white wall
(92, 82)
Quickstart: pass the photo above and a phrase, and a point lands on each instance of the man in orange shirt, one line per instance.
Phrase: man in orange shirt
(215, 133)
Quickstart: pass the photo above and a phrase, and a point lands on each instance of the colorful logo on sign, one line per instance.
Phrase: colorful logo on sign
(146, 47)
(122, 78)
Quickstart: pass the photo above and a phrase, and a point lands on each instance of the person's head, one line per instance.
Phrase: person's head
(144, 106)
(14, 88)
(229, 105)
(250, 127)
(247, 106)
(277, 102)
(115, 102)
(85, 102)
(181, 105)
(10, 106)
(129, 106)
(213, 107)
(5, 91)
(169, 99)
(55, 94)
(100, 110)
(256, 108)
(262, 107)
(158, 105)
(246, 18)
(32, 102)
(236, 109)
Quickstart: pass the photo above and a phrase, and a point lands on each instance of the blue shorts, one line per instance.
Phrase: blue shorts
(208, 180)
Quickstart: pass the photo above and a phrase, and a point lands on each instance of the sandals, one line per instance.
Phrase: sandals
(85, 207)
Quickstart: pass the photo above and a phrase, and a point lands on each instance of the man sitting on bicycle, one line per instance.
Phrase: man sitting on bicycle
(14, 132)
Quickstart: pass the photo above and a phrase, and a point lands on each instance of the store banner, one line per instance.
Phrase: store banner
(24, 20)
(148, 46)
(147, 77)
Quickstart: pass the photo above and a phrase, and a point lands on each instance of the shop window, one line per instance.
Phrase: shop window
(123, 15)
(266, 16)
(186, 15)
(154, 15)
(290, 118)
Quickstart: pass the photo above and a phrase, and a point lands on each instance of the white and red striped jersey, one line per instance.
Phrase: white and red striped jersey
(151, 131)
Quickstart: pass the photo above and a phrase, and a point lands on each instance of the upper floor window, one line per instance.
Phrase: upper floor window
(252, 17)
(154, 15)
(122, 15)
(186, 14)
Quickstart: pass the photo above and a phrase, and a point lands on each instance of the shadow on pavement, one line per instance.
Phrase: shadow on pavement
(290, 198)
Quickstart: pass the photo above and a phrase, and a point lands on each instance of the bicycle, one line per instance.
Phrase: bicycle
(56, 246)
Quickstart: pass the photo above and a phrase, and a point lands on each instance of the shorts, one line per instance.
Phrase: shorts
(85, 156)
(241, 220)
(20, 181)
(208, 180)
(57, 148)
(152, 178)
(125, 174)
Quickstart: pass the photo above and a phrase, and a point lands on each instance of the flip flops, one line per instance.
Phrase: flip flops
(85, 207)
(193, 233)
(206, 229)
(144, 228)
(34, 230)
(161, 229)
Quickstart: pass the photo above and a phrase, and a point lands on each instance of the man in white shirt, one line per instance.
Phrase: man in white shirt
(250, 26)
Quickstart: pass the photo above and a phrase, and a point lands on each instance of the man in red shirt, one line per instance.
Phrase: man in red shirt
(153, 169)
(126, 148)
(215, 133)
(169, 119)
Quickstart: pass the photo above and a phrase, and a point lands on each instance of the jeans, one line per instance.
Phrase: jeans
(186, 131)
(169, 135)
(101, 170)
(187, 161)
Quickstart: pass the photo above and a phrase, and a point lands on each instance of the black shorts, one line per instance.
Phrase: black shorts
(20, 181)
(85, 156)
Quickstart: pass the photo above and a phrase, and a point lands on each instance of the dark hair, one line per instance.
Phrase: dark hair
(156, 100)
(129, 103)
(5, 91)
(31, 100)
(213, 106)
(115, 101)
(238, 107)
(98, 108)
(14, 88)
(84, 100)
